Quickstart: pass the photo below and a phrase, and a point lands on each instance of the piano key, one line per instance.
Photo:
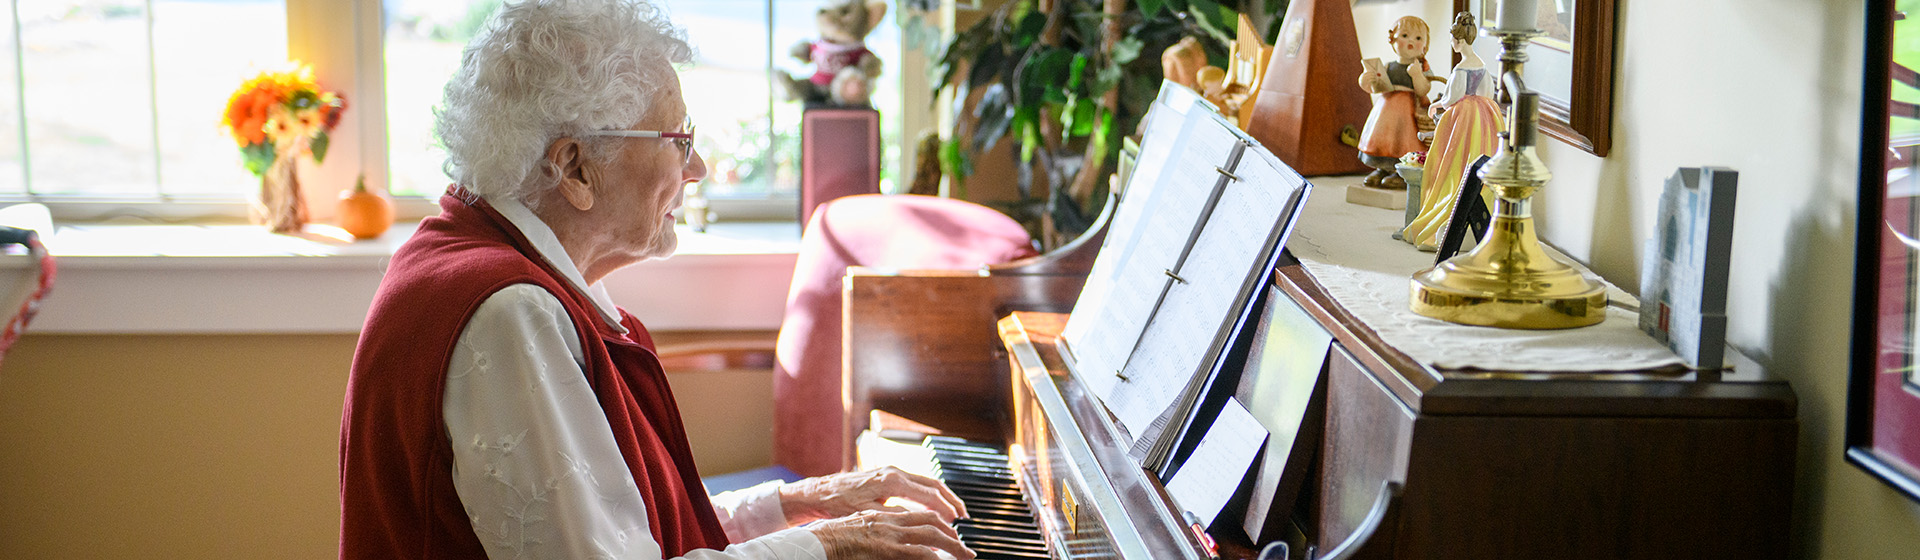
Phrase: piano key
(983, 488)
(1008, 543)
(967, 468)
(1026, 528)
(994, 551)
(972, 531)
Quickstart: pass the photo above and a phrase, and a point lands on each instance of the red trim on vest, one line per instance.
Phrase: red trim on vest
(396, 485)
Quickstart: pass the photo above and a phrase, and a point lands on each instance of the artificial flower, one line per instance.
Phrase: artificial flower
(277, 111)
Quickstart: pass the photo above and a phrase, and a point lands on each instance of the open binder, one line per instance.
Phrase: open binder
(1200, 227)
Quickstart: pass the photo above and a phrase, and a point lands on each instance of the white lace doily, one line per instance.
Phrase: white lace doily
(1349, 249)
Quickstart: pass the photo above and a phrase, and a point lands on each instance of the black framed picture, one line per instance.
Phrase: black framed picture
(1883, 388)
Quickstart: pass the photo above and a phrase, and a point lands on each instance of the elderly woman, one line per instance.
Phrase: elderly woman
(500, 405)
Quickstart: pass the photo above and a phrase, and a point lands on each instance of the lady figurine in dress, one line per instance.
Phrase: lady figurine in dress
(1470, 124)
(1399, 91)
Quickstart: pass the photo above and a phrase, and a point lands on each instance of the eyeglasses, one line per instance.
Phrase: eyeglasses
(684, 140)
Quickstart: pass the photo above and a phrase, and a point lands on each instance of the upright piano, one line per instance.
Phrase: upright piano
(1413, 462)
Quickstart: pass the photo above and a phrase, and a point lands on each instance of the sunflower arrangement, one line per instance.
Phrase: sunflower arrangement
(278, 112)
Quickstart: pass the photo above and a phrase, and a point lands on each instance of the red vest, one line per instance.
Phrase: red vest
(396, 484)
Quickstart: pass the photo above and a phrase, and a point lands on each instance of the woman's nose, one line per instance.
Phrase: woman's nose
(696, 168)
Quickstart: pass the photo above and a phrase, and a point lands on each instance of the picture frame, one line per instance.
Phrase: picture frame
(1571, 66)
(1468, 215)
(1883, 385)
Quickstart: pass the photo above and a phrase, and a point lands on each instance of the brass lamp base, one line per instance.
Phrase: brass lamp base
(1510, 282)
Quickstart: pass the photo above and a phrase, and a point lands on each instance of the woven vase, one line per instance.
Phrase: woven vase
(279, 205)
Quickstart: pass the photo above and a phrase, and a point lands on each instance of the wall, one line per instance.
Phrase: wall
(227, 446)
(1770, 88)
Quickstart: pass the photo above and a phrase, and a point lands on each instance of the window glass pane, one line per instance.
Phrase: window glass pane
(750, 152)
(795, 21)
(12, 175)
(204, 50)
(88, 96)
(423, 42)
(747, 134)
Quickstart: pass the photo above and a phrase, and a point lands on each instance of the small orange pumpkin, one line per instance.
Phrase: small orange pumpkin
(363, 213)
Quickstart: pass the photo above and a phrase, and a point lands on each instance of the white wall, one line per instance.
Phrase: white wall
(1770, 88)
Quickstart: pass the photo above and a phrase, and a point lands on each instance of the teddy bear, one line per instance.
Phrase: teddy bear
(844, 69)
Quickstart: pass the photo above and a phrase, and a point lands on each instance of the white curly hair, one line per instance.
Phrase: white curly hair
(547, 69)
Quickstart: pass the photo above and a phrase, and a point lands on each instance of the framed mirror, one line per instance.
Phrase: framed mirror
(1883, 388)
(1571, 66)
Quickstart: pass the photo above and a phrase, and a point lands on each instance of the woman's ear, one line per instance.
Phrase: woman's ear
(566, 159)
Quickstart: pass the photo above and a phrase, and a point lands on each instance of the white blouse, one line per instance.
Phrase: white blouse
(535, 463)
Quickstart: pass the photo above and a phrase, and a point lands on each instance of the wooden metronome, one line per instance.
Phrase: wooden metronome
(1309, 96)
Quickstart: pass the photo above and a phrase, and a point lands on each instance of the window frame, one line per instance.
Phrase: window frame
(344, 42)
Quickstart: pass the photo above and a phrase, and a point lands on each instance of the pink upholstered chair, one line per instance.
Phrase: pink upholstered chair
(884, 231)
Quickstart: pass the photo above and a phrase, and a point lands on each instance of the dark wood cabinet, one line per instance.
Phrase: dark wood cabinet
(1667, 464)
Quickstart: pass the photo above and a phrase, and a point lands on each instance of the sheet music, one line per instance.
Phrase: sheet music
(1165, 123)
(1163, 202)
(1219, 463)
(1219, 270)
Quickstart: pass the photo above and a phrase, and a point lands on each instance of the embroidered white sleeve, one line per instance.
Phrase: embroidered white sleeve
(750, 512)
(535, 463)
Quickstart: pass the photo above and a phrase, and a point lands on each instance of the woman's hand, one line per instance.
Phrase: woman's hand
(879, 535)
(848, 493)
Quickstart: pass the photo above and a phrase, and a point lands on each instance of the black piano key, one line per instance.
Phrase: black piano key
(1006, 551)
(969, 454)
(972, 468)
(1000, 481)
(945, 471)
(1021, 518)
(983, 488)
(960, 442)
(996, 525)
(970, 531)
(995, 555)
(1006, 542)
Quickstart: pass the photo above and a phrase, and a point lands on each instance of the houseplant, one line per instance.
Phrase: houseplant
(1066, 79)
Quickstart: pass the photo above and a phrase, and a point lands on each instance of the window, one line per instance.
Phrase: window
(107, 105)
(121, 99)
(748, 135)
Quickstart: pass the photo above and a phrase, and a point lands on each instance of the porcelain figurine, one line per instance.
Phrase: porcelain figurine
(1399, 90)
(1469, 127)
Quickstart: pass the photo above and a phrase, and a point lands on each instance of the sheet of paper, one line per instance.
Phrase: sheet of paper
(1221, 268)
(1150, 230)
(1164, 126)
(1214, 471)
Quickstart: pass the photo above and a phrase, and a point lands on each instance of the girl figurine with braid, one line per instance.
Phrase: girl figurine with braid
(1399, 91)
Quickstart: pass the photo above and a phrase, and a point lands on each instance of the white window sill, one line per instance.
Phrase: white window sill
(173, 279)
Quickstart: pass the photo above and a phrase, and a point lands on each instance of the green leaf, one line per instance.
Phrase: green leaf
(319, 147)
(989, 66)
(1079, 69)
(992, 116)
(1029, 141)
(257, 157)
(1081, 117)
(1028, 31)
(1024, 118)
(1105, 80)
(1150, 8)
(954, 163)
(1127, 50)
(1040, 76)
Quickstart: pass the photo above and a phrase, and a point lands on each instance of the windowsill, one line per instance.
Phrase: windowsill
(237, 279)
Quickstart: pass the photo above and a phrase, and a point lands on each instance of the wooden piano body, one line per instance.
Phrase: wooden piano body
(1412, 463)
